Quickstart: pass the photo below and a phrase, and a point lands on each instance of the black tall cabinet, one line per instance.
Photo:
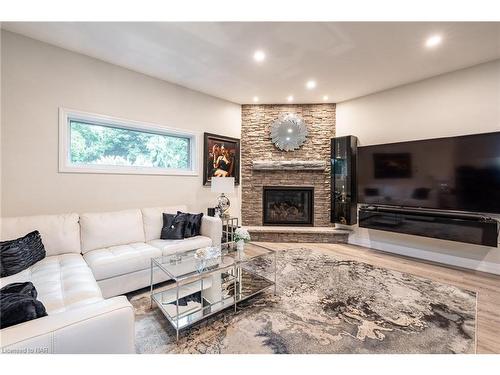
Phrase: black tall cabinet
(343, 180)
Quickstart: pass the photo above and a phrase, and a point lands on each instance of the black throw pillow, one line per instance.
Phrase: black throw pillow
(18, 304)
(193, 224)
(173, 227)
(26, 288)
(17, 255)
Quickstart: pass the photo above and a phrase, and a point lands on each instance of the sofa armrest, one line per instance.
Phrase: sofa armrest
(103, 327)
(212, 227)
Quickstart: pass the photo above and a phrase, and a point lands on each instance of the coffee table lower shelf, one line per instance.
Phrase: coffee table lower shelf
(194, 301)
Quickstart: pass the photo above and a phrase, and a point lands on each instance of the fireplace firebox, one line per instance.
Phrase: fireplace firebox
(288, 205)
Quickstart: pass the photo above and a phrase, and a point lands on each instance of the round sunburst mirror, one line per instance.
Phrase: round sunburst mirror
(288, 132)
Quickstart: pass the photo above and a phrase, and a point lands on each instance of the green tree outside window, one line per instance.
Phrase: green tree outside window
(105, 145)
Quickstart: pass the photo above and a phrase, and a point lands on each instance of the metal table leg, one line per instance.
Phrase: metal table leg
(275, 269)
(235, 277)
(151, 285)
(177, 311)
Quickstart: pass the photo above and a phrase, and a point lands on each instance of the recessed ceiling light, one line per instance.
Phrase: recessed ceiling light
(433, 41)
(290, 130)
(255, 99)
(290, 98)
(287, 138)
(259, 56)
(311, 84)
(325, 98)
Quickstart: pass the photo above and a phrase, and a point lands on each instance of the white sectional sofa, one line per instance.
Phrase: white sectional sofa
(91, 259)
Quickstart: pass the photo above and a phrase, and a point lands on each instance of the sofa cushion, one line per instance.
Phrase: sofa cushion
(63, 282)
(120, 260)
(21, 253)
(173, 246)
(60, 233)
(153, 219)
(105, 229)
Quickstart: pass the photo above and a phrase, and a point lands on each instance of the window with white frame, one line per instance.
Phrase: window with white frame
(92, 143)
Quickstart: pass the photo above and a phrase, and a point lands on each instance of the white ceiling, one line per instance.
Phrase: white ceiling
(347, 60)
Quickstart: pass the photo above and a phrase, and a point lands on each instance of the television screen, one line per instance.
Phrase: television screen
(456, 173)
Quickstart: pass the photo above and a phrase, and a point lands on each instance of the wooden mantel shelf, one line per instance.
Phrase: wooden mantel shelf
(293, 165)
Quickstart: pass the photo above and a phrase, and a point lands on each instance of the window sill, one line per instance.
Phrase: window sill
(125, 170)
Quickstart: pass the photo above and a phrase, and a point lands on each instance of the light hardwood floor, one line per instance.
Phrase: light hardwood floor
(486, 285)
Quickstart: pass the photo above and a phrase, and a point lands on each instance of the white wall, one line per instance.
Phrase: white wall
(38, 78)
(462, 102)
(1, 121)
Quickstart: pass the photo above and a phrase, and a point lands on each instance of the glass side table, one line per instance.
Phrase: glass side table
(229, 226)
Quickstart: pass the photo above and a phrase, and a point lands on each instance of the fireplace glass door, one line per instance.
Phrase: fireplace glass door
(288, 205)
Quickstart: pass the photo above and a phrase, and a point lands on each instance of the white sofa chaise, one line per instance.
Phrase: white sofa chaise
(90, 258)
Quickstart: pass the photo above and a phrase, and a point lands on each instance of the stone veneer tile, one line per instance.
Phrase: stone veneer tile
(256, 144)
(299, 237)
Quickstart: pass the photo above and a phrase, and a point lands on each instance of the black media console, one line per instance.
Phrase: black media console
(462, 227)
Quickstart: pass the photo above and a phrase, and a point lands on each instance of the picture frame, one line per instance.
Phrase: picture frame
(221, 157)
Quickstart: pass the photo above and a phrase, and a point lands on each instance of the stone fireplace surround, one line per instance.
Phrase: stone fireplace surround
(256, 145)
(262, 164)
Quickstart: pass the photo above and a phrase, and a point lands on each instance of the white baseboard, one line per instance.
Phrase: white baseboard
(473, 264)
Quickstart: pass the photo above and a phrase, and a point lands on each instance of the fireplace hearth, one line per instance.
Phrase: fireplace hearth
(289, 205)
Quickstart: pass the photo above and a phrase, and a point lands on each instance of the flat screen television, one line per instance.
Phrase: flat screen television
(455, 173)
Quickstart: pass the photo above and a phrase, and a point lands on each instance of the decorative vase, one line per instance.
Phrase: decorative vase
(240, 247)
(201, 265)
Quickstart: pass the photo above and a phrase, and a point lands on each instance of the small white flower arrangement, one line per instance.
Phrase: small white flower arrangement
(207, 253)
(201, 253)
(241, 234)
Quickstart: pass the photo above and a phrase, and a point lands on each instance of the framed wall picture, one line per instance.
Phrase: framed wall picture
(221, 157)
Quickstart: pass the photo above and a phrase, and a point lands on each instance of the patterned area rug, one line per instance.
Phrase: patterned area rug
(325, 305)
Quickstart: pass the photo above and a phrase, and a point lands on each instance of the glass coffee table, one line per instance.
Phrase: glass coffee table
(201, 289)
